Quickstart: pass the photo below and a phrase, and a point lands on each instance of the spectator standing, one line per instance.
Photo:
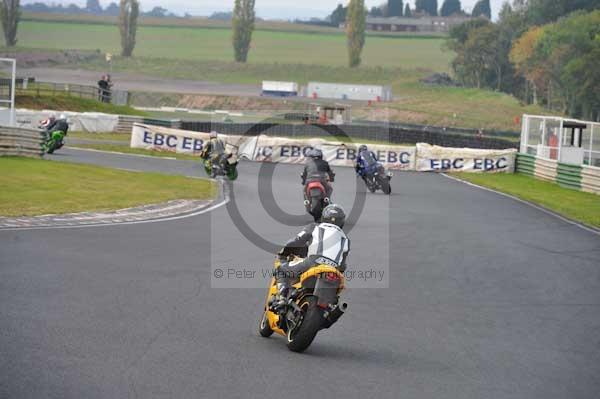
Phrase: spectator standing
(104, 89)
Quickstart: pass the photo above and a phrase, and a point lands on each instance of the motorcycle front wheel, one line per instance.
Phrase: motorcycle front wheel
(264, 329)
(232, 174)
(372, 186)
(384, 182)
(300, 337)
(51, 147)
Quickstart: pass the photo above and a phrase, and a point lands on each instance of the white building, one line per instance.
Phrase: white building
(341, 91)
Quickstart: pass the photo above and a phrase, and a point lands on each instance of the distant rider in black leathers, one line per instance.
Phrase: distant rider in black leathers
(317, 169)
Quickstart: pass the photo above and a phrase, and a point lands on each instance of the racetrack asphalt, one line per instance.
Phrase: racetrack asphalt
(487, 298)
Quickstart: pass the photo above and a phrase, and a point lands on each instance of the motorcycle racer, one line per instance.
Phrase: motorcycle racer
(323, 242)
(318, 169)
(52, 125)
(214, 147)
(213, 150)
(364, 159)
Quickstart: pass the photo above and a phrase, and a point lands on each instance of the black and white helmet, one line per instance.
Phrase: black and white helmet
(334, 214)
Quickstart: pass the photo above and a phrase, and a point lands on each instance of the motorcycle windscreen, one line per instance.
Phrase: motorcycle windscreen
(326, 289)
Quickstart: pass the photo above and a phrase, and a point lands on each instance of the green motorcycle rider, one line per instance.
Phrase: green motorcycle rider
(55, 130)
(216, 158)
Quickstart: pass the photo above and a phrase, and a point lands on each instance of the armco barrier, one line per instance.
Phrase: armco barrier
(393, 135)
(569, 176)
(590, 179)
(526, 164)
(16, 141)
(576, 177)
(545, 169)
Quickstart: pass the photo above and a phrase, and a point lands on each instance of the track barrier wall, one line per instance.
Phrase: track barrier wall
(264, 148)
(575, 177)
(395, 134)
(91, 122)
(20, 142)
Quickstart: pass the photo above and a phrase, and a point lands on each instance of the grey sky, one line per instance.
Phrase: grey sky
(283, 9)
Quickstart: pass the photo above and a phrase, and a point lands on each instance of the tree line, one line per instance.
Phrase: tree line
(397, 8)
(92, 7)
(544, 52)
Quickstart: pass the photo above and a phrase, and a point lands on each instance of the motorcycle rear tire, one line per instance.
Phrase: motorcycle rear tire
(300, 338)
(316, 209)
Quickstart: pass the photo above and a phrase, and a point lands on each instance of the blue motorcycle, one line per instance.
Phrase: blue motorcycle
(377, 178)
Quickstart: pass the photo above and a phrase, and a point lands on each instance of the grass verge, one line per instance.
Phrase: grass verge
(576, 205)
(37, 187)
(74, 104)
(124, 137)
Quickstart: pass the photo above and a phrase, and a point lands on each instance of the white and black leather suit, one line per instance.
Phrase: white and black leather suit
(318, 243)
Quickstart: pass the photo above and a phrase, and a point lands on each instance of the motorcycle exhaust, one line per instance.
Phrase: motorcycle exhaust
(306, 202)
(335, 314)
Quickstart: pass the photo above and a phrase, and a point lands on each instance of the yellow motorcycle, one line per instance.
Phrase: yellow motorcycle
(313, 305)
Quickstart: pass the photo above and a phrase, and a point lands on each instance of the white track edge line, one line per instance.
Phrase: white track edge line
(538, 207)
(122, 153)
(219, 204)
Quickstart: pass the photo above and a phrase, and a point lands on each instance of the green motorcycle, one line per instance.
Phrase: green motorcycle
(222, 165)
(54, 141)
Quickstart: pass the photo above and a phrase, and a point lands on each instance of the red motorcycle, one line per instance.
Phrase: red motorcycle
(316, 196)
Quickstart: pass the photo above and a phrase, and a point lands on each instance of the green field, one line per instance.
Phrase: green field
(38, 187)
(200, 22)
(205, 53)
(577, 205)
(214, 44)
